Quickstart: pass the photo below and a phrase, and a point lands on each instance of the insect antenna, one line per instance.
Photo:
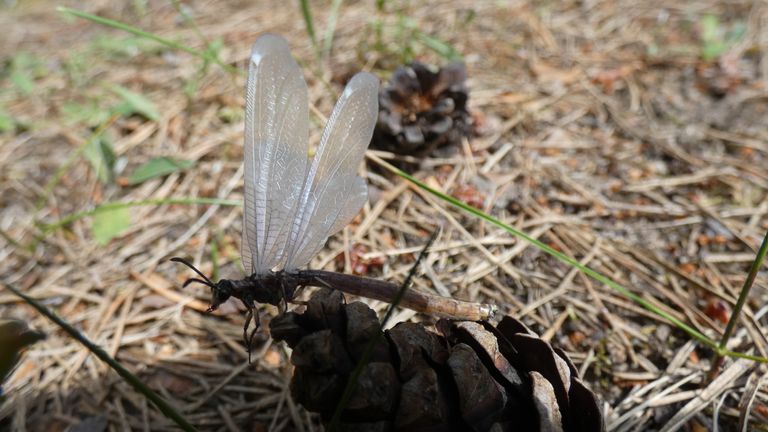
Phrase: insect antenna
(205, 281)
(200, 281)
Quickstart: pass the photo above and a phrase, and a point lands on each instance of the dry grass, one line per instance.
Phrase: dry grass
(606, 135)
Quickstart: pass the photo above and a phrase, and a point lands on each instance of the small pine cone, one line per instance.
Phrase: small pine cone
(15, 337)
(472, 376)
(421, 110)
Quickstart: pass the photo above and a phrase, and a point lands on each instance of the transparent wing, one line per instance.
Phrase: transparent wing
(333, 192)
(275, 152)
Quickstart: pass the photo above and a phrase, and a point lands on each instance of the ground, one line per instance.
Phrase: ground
(630, 136)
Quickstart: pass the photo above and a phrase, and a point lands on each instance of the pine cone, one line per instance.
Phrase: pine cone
(421, 110)
(15, 337)
(472, 376)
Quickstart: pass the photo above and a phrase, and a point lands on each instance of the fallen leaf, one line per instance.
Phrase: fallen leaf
(110, 223)
(158, 167)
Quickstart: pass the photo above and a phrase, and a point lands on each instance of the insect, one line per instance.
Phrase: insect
(293, 204)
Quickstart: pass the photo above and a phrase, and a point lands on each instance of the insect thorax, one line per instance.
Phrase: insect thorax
(271, 288)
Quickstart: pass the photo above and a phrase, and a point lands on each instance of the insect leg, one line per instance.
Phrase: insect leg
(287, 297)
(256, 324)
(248, 317)
(252, 312)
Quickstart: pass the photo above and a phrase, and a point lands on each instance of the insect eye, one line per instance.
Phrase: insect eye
(223, 290)
(222, 296)
(220, 293)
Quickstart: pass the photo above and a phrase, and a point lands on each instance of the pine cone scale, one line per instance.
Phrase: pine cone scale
(421, 110)
(472, 376)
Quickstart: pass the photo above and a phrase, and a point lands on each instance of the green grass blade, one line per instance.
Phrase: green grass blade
(330, 30)
(743, 296)
(559, 255)
(205, 55)
(745, 289)
(306, 13)
(130, 378)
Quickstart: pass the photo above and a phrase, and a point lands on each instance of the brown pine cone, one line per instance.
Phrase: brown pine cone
(421, 110)
(473, 376)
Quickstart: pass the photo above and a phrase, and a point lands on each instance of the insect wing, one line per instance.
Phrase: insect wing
(333, 193)
(275, 152)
